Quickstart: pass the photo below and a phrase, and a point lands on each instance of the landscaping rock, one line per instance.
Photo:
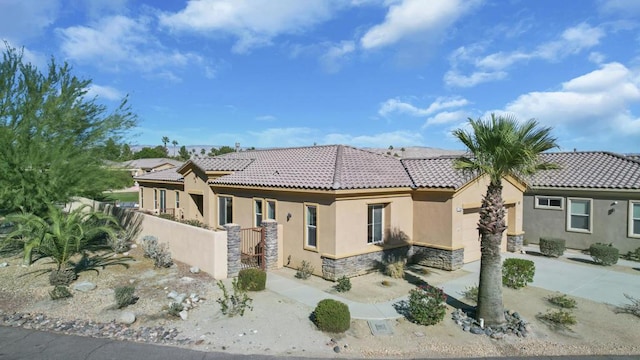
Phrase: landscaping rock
(336, 349)
(184, 315)
(477, 330)
(194, 270)
(84, 286)
(127, 318)
(4, 264)
(172, 295)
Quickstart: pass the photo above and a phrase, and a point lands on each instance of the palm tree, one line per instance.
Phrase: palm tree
(174, 143)
(165, 141)
(499, 147)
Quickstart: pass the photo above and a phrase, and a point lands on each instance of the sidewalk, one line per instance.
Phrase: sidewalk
(592, 282)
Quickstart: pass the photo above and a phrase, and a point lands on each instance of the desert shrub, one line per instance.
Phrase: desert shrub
(427, 305)
(119, 242)
(604, 254)
(60, 292)
(304, 270)
(525, 241)
(563, 301)
(332, 316)
(159, 253)
(62, 277)
(196, 223)
(236, 303)
(559, 318)
(343, 284)
(633, 255)
(471, 293)
(175, 308)
(252, 279)
(552, 247)
(167, 216)
(394, 268)
(516, 273)
(633, 308)
(124, 296)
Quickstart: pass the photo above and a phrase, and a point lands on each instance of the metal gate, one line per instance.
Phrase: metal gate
(252, 246)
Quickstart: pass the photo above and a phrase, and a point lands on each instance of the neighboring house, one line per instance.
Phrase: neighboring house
(342, 209)
(142, 166)
(593, 197)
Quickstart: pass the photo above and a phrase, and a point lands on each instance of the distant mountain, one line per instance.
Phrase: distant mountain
(409, 152)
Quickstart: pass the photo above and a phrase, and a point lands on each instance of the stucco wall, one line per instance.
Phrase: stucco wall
(432, 223)
(610, 222)
(195, 185)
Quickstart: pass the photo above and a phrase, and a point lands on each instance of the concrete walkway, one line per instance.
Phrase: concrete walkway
(574, 278)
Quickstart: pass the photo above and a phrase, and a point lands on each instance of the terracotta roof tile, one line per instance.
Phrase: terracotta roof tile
(435, 172)
(221, 164)
(592, 170)
(150, 163)
(162, 175)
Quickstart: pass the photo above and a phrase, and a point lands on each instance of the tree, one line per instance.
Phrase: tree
(499, 147)
(174, 143)
(183, 154)
(112, 150)
(221, 150)
(52, 136)
(126, 153)
(165, 141)
(150, 153)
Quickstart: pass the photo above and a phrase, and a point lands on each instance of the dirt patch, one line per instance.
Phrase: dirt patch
(281, 326)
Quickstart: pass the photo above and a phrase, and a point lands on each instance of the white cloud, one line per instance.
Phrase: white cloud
(266, 118)
(336, 55)
(398, 106)
(105, 92)
(626, 8)
(596, 104)
(253, 23)
(447, 117)
(493, 67)
(397, 138)
(119, 41)
(21, 20)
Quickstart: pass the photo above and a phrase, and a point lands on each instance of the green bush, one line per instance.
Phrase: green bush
(175, 308)
(236, 303)
(252, 279)
(633, 255)
(516, 273)
(559, 318)
(552, 247)
(332, 316)
(427, 305)
(60, 292)
(124, 296)
(395, 268)
(304, 270)
(343, 285)
(563, 301)
(471, 293)
(157, 252)
(604, 254)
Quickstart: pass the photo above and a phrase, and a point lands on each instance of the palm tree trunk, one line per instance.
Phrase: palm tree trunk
(491, 226)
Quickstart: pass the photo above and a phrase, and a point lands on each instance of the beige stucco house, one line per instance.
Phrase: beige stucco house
(342, 209)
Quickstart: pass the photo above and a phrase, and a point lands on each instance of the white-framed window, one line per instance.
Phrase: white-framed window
(155, 199)
(142, 198)
(177, 199)
(549, 202)
(579, 213)
(163, 200)
(271, 209)
(257, 211)
(225, 210)
(634, 219)
(311, 226)
(375, 223)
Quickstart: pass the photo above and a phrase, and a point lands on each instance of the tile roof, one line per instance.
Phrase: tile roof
(437, 172)
(221, 164)
(589, 170)
(330, 167)
(161, 175)
(150, 163)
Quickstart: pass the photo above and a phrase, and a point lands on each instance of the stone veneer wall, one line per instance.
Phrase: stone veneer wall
(233, 249)
(333, 269)
(271, 244)
(515, 243)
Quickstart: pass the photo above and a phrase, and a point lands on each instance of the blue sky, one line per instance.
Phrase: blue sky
(368, 73)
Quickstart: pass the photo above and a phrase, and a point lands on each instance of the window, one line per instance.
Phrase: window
(271, 209)
(155, 199)
(311, 226)
(549, 202)
(142, 198)
(257, 210)
(634, 219)
(163, 200)
(579, 215)
(225, 210)
(177, 199)
(375, 224)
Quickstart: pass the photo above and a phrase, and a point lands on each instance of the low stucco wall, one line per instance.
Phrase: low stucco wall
(206, 249)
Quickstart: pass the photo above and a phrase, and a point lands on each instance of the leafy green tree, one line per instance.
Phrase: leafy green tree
(183, 154)
(150, 153)
(498, 147)
(112, 150)
(52, 136)
(126, 153)
(221, 150)
(165, 141)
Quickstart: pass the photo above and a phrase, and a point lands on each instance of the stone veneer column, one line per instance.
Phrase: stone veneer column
(233, 249)
(271, 243)
(515, 243)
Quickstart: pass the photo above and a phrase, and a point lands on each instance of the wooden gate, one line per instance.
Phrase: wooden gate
(252, 247)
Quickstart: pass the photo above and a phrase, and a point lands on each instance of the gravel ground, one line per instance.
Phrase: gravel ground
(280, 326)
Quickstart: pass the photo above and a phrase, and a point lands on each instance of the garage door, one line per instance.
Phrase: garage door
(470, 237)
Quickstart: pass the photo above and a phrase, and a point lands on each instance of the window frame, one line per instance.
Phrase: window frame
(155, 199)
(255, 212)
(226, 198)
(631, 234)
(306, 244)
(266, 210)
(537, 205)
(371, 223)
(141, 198)
(163, 200)
(177, 199)
(590, 215)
